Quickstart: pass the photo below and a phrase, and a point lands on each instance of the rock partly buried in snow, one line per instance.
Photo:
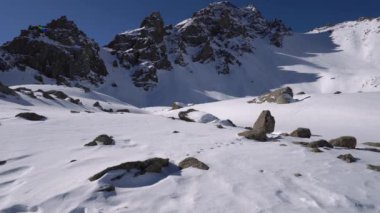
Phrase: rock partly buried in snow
(123, 110)
(227, 122)
(279, 96)
(153, 165)
(320, 143)
(178, 105)
(3, 162)
(373, 167)
(6, 90)
(372, 144)
(265, 122)
(192, 115)
(344, 141)
(348, 158)
(31, 116)
(255, 134)
(106, 188)
(194, 163)
(58, 94)
(184, 115)
(301, 133)
(102, 140)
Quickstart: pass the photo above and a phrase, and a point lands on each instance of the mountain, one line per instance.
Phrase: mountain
(221, 52)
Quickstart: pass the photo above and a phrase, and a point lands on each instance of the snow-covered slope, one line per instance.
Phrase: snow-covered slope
(47, 165)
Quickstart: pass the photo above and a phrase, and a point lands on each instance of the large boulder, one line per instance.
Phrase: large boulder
(194, 163)
(255, 134)
(279, 96)
(31, 116)
(301, 133)
(344, 141)
(265, 122)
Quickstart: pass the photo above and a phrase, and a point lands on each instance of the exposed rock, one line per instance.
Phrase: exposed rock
(337, 92)
(102, 140)
(74, 111)
(348, 158)
(153, 165)
(123, 110)
(227, 122)
(320, 143)
(297, 174)
(58, 94)
(205, 54)
(279, 96)
(373, 167)
(61, 50)
(6, 90)
(175, 131)
(194, 163)
(3, 162)
(219, 126)
(372, 144)
(301, 93)
(265, 122)
(31, 116)
(316, 150)
(177, 105)
(184, 115)
(301, 133)
(344, 141)
(106, 188)
(305, 144)
(255, 134)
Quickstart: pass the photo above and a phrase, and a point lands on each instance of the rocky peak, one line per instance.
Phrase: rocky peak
(58, 50)
(154, 25)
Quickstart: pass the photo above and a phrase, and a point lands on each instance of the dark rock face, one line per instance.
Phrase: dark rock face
(183, 115)
(153, 165)
(345, 141)
(61, 50)
(102, 140)
(219, 33)
(320, 143)
(348, 158)
(279, 96)
(265, 122)
(255, 134)
(31, 116)
(6, 90)
(194, 163)
(301, 133)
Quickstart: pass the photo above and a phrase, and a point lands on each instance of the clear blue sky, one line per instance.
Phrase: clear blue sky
(102, 19)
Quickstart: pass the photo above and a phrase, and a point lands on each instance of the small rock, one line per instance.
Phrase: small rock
(193, 162)
(175, 131)
(183, 115)
(316, 150)
(372, 144)
(298, 174)
(72, 161)
(373, 167)
(73, 111)
(337, 92)
(6, 90)
(3, 162)
(177, 105)
(258, 135)
(320, 143)
(301, 133)
(348, 158)
(102, 140)
(123, 110)
(219, 126)
(345, 141)
(283, 144)
(31, 116)
(265, 122)
(301, 93)
(106, 188)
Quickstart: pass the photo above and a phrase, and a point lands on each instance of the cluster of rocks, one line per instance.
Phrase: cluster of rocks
(264, 124)
(279, 96)
(192, 115)
(152, 165)
(219, 33)
(59, 50)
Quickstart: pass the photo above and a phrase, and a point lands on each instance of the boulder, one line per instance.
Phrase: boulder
(3, 162)
(102, 140)
(255, 134)
(348, 158)
(344, 141)
(301, 133)
(153, 165)
(194, 163)
(31, 116)
(265, 122)
(279, 96)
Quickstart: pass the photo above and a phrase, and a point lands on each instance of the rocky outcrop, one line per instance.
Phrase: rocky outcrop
(58, 50)
(344, 141)
(31, 116)
(153, 165)
(265, 122)
(218, 34)
(194, 163)
(279, 96)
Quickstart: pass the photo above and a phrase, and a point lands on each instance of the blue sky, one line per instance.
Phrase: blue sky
(102, 19)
